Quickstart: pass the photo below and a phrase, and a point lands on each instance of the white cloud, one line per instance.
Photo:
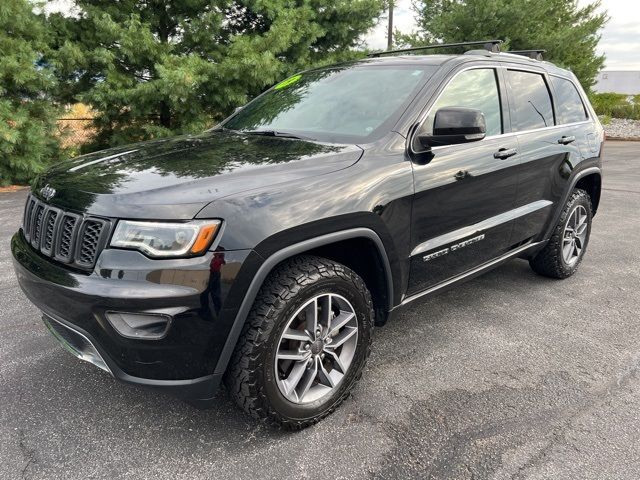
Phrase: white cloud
(403, 20)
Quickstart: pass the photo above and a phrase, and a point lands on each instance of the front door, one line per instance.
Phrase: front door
(464, 194)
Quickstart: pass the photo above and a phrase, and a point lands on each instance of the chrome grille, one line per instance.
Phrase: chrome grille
(64, 236)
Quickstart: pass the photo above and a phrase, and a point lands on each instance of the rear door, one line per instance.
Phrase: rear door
(547, 149)
(464, 193)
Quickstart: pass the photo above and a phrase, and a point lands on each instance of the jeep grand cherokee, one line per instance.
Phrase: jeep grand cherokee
(263, 252)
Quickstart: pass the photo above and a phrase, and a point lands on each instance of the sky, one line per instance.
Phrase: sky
(620, 37)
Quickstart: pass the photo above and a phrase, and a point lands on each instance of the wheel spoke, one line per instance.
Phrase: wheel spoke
(323, 376)
(291, 334)
(306, 382)
(294, 355)
(311, 314)
(342, 337)
(340, 321)
(336, 360)
(567, 251)
(581, 230)
(292, 381)
(324, 304)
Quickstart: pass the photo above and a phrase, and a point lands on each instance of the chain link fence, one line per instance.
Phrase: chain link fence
(75, 132)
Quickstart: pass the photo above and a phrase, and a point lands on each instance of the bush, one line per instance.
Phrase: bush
(616, 105)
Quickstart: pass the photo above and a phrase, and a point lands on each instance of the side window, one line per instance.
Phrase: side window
(569, 105)
(477, 89)
(530, 103)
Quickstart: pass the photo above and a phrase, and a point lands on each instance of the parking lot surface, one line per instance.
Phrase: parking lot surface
(510, 375)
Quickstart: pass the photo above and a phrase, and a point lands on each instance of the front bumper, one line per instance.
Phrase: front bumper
(199, 392)
(200, 301)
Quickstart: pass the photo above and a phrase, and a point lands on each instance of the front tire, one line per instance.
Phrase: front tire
(562, 255)
(304, 345)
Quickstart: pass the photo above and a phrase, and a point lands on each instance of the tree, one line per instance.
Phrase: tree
(153, 67)
(567, 32)
(27, 114)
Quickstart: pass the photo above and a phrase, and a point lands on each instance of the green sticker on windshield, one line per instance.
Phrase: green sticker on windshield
(289, 81)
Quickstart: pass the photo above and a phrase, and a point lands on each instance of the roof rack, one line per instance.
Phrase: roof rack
(490, 45)
(535, 54)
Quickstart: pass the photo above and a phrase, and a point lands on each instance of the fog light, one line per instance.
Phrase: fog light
(142, 326)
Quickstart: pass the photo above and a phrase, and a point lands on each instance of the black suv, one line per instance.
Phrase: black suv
(263, 252)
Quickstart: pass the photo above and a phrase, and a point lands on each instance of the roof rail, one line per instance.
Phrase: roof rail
(535, 54)
(490, 45)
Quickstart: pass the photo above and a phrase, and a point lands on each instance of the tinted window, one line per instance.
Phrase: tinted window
(472, 89)
(335, 104)
(569, 105)
(530, 101)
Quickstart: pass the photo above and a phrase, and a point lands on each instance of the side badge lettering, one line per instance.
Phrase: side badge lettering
(453, 248)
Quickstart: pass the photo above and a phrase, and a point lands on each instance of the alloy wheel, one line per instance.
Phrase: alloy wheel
(316, 348)
(575, 235)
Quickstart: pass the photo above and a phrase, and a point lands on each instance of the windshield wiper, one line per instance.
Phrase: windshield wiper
(275, 133)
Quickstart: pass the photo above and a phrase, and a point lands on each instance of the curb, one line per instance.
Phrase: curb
(12, 188)
(622, 139)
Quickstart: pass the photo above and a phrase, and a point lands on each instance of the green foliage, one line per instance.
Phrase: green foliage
(567, 32)
(155, 68)
(27, 115)
(616, 105)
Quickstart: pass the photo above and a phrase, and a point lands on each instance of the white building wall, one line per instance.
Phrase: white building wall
(610, 81)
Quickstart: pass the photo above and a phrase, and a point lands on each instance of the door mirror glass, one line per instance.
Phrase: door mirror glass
(453, 125)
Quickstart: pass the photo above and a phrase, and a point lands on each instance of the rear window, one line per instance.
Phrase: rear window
(569, 106)
(530, 103)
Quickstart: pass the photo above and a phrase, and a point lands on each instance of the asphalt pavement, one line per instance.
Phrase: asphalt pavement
(510, 375)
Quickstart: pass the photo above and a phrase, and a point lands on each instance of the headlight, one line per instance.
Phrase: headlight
(160, 239)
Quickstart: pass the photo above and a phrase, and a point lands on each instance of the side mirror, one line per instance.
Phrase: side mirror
(453, 125)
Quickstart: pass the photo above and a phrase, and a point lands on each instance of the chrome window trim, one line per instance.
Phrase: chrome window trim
(525, 68)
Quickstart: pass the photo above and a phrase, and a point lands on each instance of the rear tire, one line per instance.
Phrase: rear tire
(564, 252)
(283, 373)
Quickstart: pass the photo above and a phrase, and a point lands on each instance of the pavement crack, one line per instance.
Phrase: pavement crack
(601, 398)
(28, 453)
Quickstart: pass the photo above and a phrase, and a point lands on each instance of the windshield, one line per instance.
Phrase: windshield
(353, 104)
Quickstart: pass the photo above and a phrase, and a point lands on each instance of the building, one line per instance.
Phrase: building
(618, 81)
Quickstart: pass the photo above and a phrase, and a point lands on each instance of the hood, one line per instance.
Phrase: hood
(175, 178)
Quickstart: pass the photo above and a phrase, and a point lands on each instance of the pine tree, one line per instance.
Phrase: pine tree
(27, 114)
(153, 67)
(567, 32)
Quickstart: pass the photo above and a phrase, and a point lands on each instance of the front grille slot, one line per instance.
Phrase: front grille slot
(49, 230)
(90, 236)
(28, 211)
(65, 236)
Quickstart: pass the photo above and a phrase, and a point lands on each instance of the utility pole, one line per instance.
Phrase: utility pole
(390, 30)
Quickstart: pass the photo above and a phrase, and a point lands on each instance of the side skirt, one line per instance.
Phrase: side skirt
(468, 275)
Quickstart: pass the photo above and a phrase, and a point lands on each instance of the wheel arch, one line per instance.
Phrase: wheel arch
(592, 184)
(592, 180)
(327, 246)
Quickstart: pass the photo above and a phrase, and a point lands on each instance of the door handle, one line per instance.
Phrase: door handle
(566, 140)
(505, 153)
